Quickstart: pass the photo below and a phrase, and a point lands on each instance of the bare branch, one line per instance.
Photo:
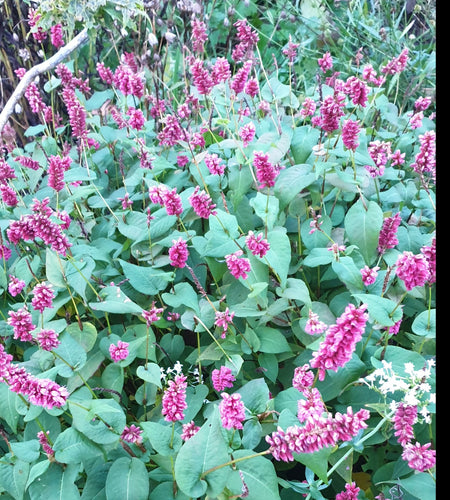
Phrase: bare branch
(37, 70)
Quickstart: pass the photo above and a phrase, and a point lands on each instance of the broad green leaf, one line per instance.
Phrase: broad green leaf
(72, 447)
(13, 476)
(27, 451)
(144, 279)
(195, 399)
(363, 223)
(258, 474)
(127, 479)
(78, 274)
(255, 395)
(383, 311)
(183, 295)
(316, 461)
(8, 411)
(54, 481)
(421, 485)
(205, 450)
(113, 377)
(348, 273)
(86, 336)
(162, 438)
(115, 301)
(101, 420)
(266, 208)
(295, 289)
(271, 340)
(151, 373)
(424, 324)
(71, 356)
(291, 181)
(303, 140)
(279, 254)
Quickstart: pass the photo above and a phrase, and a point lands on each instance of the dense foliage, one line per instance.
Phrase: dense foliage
(219, 252)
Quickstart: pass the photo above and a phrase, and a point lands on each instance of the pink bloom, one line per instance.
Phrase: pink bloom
(201, 203)
(215, 164)
(47, 339)
(77, 114)
(173, 203)
(178, 253)
(119, 352)
(266, 173)
(132, 434)
(350, 132)
(279, 446)
(308, 107)
(370, 75)
(357, 90)
(313, 325)
(222, 379)
(251, 87)
(350, 493)
(22, 324)
(422, 103)
(201, 77)
(396, 64)
(380, 152)
(43, 441)
(412, 269)
(369, 275)
(42, 297)
(240, 78)
(137, 119)
(5, 361)
(199, 35)
(189, 430)
(397, 158)
(56, 168)
(247, 37)
(232, 411)
(325, 62)
(172, 131)
(153, 314)
(223, 319)
(331, 110)
(5, 252)
(105, 73)
(174, 399)
(310, 407)
(15, 285)
(221, 71)
(56, 35)
(416, 120)
(38, 33)
(291, 50)
(303, 378)
(257, 244)
(393, 330)
(182, 160)
(126, 202)
(9, 196)
(340, 341)
(429, 252)
(404, 419)
(388, 234)
(419, 458)
(247, 133)
(128, 81)
(425, 160)
(238, 266)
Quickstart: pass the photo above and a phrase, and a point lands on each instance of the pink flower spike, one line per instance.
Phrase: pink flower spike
(174, 399)
(132, 434)
(178, 253)
(313, 325)
(232, 411)
(42, 297)
(257, 244)
(238, 266)
(419, 457)
(15, 285)
(47, 340)
(153, 314)
(201, 203)
(222, 378)
(266, 173)
(119, 352)
(412, 269)
(223, 319)
(189, 430)
(368, 275)
(350, 493)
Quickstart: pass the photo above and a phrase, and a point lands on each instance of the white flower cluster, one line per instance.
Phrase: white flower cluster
(415, 385)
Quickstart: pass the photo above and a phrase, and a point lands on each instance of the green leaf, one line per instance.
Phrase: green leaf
(127, 479)
(316, 461)
(205, 450)
(101, 420)
(420, 486)
(363, 223)
(144, 279)
(183, 295)
(255, 395)
(162, 438)
(54, 481)
(113, 377)
(71, 356)
(291, 181)
(295, 289)
(78, 274)
(266, 207)
(424, 324)
(279, 254)
(8, 411)
(28, 451)
(303, 140)
(86, 337)
(151, 373)
(383, 311)
(115, 301)
(258, 474)
(13, 476)
(348, 273)
(72, 447)
(272, 340)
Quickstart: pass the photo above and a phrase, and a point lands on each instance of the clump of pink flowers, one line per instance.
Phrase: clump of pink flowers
(43, 296)
(222, 378)
(232, 411)
(178, 253)
(223, 320)
(238, 266)
(119, 351)
(174, 399)
(22, 324)
(258, 245)
(201, 203)
(340, 340)
(412, 269)
(314, 326)
(189, 430)
(266, 172)
(153, 314)
(132, 434)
